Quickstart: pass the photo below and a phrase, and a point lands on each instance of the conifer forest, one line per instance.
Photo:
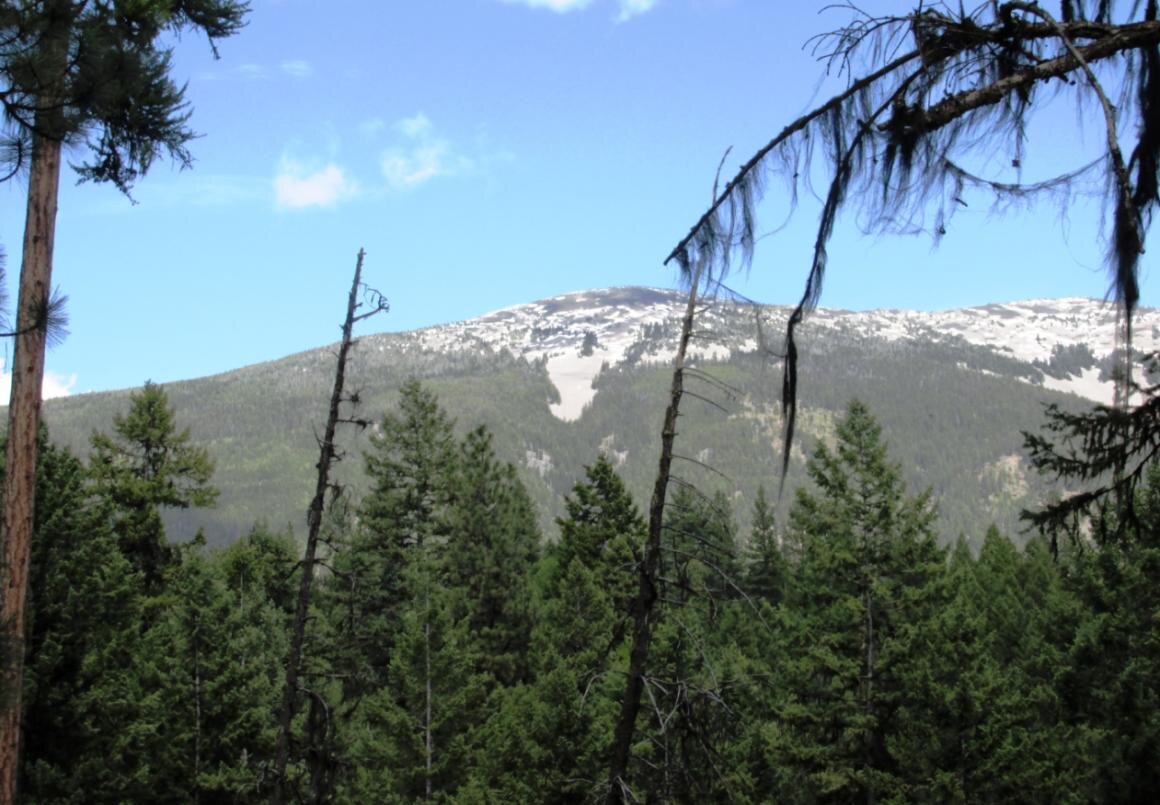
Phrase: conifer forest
(425, 638)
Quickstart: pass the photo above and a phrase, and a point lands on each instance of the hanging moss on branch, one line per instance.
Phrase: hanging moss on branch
(928, 91)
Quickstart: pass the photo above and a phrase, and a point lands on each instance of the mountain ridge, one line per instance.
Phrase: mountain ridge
(561, 379)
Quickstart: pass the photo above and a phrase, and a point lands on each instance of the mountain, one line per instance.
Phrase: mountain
(562, 379)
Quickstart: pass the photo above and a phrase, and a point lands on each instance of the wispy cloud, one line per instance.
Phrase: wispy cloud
(296, 187)
(297, 68)
(631, 8)
(559, 6)
(371, 126)
(53, 385)
(422, 156)
(251, 71)
(417, 125)
(628, 8)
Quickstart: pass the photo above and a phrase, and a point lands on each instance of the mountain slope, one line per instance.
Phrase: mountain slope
(561, 379)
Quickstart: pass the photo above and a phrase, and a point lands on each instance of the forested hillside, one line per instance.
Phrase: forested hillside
(453, 654)
(952, 410)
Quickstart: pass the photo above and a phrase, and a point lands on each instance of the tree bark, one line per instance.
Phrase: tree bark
(643, 604)
(23, 426)
(314, 521)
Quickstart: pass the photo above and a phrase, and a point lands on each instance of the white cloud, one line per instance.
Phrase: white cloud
(295, 188)
(415, 126)
(630, 8)
(297, 68)
(425, 157)
(54, 385)
(252, 71)
(371, 126)
(559, 6)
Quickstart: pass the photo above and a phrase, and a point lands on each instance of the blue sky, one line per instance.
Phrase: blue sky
(486, 153)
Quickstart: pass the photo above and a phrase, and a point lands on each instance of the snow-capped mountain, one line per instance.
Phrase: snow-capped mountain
(561, 380)
(1079, 335)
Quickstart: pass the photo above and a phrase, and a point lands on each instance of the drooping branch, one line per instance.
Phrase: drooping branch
(968, 82)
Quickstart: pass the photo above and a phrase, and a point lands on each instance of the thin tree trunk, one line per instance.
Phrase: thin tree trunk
(23, 426)
(430, 743)
(197, 722)
(314, 520)
(643, 604)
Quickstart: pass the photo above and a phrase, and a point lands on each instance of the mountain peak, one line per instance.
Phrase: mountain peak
(576, 334)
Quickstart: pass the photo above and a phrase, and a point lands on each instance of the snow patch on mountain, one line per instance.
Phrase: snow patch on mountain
(575, 335)
(1086, 384)
(572, 375)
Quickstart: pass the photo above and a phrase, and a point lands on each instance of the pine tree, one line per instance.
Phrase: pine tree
(83, 704)
(215, 659)
(98, 74)
(1111, 684)
(148, 465)
(548, 740)
(410, 464)
(865, 583)
(491, 546)
(766, 571)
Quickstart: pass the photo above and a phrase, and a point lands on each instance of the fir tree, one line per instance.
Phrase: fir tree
(491, 546)
(84, 706)
(410, 465)
(146, 466)
(765, 566)
(865, 583)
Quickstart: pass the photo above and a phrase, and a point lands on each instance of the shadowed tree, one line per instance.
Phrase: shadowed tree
(94, 75)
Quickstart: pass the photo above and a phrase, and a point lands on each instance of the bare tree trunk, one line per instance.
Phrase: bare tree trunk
(197, 723)
(430, 744)
(23, 426)
(868, 686)
(643, 604)
(314, 521)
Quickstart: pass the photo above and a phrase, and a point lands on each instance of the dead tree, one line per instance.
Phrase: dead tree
(328, 455)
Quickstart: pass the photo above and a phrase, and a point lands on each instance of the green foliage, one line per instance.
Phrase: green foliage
(83, 700)
(148, 465)
(864, 588)
(491, 545)
(1113, 678)
(843, 657)
(104, 67)
(214, 654)
(766, 571)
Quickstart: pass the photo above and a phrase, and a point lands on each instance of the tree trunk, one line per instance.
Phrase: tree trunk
(643, 604)
(23, 426)
(429, 738)
(314, 521)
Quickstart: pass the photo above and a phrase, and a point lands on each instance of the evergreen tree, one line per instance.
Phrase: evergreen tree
(864, 586)
(412, 739)
(84, 706)
(694, 667)
(73, 73)
(1112, 679)
(548, 740)
(214, 657)
(602, 531)
(766, 573)
(491, 547)
(410, 465)
(148, 465)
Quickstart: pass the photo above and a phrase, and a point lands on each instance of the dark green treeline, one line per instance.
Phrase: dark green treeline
(452, 656)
